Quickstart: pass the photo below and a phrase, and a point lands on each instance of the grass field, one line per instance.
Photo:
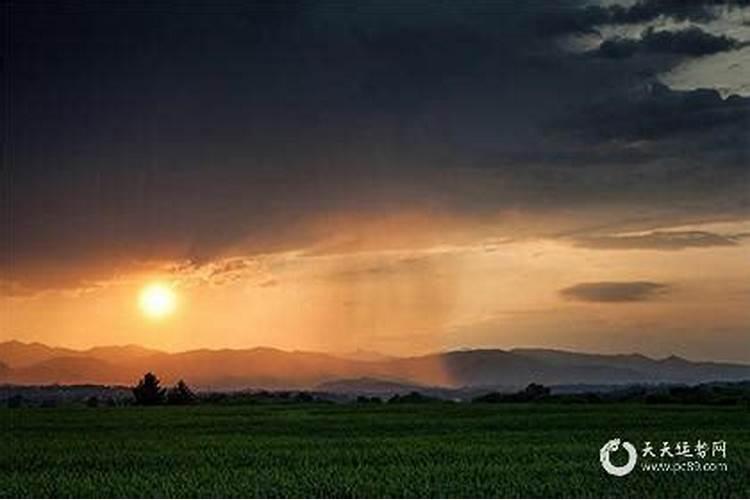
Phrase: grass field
(436, 450)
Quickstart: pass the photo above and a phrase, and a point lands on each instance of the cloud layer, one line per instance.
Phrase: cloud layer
(148, 136)
(611, 291)
(659, 240)
(688, 42)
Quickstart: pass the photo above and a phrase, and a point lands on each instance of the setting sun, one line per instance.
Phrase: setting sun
(157, 300)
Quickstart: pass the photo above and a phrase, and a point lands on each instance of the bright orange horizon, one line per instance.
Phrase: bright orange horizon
(415, 297)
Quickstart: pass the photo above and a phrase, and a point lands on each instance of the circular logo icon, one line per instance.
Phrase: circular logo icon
(611, 447)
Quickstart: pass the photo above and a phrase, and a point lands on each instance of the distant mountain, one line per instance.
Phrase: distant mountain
(672, 368)
(15, 354)
(114, 353)
(364, 355)
(269, 368)
(68, 370)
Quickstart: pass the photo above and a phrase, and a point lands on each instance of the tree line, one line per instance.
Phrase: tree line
(148, 392)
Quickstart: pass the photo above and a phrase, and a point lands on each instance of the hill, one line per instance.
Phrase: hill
(269, 368)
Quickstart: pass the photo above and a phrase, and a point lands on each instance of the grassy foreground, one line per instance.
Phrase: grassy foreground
(435, 450)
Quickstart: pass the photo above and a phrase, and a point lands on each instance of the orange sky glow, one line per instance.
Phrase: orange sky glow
(411, 293)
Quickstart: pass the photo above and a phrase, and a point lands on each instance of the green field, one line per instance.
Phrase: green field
(433, 450)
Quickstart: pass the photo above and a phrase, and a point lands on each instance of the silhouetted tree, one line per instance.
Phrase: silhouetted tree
(303, 397)
(370, 400)
(532, 392)
(181, 394)
(413, 397)
(92, 402)
(491, 397)
(148, 392)
(535, 391)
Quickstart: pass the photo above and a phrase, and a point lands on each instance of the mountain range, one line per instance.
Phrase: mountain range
(263, 367)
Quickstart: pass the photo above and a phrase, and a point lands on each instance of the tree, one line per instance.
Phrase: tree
(491, 397)
(148, 392)
(368, 400)
(303, 397)
(181, 394)
(535, 391)
(413, 397)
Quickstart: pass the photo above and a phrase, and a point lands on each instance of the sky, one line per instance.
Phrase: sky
(404, 177)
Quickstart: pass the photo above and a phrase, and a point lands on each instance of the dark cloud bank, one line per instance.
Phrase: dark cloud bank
(179, 131)
(613, 291)
(687, 42)
(660, 240)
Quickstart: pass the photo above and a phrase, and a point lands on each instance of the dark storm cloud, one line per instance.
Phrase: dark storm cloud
(689, 42)
(660, 240)
(680, 10)
(677, 124)
(587, 18)
(614, 291)
(190, 131)
(656, 135)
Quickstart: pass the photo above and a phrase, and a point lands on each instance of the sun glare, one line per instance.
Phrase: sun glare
(157, 300)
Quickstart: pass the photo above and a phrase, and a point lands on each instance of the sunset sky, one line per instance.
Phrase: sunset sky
(397, 176)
